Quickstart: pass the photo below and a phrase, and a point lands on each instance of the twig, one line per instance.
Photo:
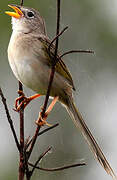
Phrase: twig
(58, 168)
(40, 157)
(76, 51)
(54, 62)
(47, 129)
(9, 120)
(40, 133)
(33, 141)
(57, 32)
(56, 38)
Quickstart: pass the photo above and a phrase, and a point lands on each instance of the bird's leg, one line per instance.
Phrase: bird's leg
(25, 102)
(42, 121)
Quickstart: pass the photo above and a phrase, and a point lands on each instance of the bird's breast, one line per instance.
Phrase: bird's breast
(29, 64)
(27, 68)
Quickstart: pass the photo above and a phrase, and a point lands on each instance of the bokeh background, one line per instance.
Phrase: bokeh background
(92, 25)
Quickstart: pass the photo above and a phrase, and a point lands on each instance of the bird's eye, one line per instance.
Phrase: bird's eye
(30, 14)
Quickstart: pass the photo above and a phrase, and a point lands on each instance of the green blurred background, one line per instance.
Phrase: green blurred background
(92, 25)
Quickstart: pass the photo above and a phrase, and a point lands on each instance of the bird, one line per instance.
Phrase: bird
(31, 63)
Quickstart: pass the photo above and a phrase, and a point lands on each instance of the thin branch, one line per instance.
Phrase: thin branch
(57, 32)
(40, 157)
(21, 116)
(47, 129)
(57, 37)
(76, 51)
(27, 144)
(33, 141)
(54, 62)
(10, 120)
(58, 168)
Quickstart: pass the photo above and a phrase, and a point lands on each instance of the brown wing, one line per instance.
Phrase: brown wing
(60, 66)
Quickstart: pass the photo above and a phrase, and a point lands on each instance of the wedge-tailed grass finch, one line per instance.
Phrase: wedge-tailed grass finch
(31, 64)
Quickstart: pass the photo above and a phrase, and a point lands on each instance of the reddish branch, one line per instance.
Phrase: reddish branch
(21, 115)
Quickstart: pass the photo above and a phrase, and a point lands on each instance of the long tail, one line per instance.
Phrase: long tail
(94, 147)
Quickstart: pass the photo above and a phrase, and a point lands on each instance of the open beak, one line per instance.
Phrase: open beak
(17, 14)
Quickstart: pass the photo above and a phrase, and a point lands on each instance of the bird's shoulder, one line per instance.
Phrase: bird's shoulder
(61, 68)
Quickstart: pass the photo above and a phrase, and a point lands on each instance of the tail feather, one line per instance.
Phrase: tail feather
(94, 147)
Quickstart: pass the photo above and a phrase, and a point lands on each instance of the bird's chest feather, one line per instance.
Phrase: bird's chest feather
(27, 67)
(30, 66)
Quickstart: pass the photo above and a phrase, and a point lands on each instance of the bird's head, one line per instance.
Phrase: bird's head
(26, 19)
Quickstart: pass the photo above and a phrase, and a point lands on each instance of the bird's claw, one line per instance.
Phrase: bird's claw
(25, 100)
(23, 104)
(42, 121)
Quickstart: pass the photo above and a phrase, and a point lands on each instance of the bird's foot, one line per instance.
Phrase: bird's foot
(25, 100)
(41, 121)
